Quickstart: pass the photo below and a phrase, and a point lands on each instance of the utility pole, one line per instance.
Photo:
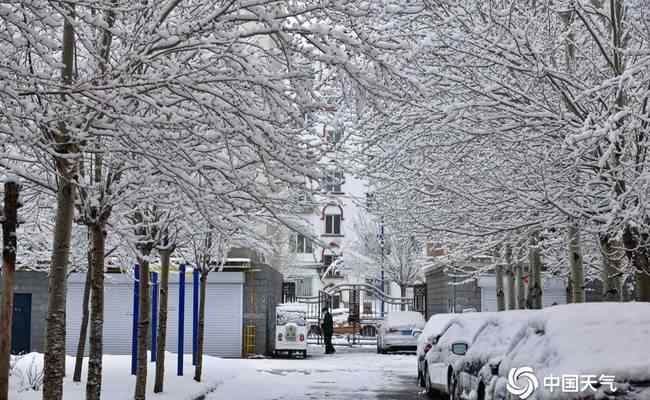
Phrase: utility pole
(9, 220)
(381, 244)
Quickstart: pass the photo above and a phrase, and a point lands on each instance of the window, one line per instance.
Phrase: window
(328, 259)
(333, 182)
(301, 244)
(333, 224)
(334, 136)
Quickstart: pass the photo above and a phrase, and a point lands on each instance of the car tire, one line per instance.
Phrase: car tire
(427, 385)
(454, 388)
(480, 393)
(420, 378)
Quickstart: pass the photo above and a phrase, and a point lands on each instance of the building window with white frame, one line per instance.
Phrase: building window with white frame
(301, 244)
(333, 224)
(333, 182)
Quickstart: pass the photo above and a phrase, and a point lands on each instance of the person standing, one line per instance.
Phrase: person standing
(328, 331)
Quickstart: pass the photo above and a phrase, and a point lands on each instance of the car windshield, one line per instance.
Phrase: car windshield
(285, 317)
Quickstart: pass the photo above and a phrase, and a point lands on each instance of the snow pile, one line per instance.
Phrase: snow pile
(404, 319)
(584, 339)
(118, 383)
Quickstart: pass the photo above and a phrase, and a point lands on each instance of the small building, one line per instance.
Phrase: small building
(454, 292)
(239, 320)
(30, 312)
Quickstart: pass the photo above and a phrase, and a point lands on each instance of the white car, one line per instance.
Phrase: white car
(399, 331)
(474, 372)
(429, 336)
(604, 345)
(291, 329)
(452, 344)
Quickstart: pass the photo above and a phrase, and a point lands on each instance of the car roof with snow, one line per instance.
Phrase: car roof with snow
(292, 307)
(463, 327)
(584, 339)
(398, 319)
(434, 326)
(494, 336)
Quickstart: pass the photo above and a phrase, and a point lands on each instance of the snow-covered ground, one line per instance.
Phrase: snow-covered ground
(118, 383)
(351, 373)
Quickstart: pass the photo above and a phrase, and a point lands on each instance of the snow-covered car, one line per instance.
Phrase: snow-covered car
(429, 336)
(451, 345)
(600, 347)
(398, 331)
(291, 328)
(474, 371)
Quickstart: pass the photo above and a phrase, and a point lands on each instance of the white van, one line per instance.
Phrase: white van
(291, 329)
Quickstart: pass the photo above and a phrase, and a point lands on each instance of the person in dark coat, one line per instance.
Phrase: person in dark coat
(328, 331)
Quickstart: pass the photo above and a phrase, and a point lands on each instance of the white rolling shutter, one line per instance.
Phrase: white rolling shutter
(118, 313)
(223, 314)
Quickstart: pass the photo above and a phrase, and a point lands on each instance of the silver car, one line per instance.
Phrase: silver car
(399, 331)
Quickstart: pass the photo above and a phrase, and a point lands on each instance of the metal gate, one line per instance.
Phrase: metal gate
(361, 308)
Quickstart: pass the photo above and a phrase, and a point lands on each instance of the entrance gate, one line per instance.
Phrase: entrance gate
(360, 309)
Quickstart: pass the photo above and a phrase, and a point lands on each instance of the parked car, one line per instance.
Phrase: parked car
(291, 330)
(429, 336)
(452, 344)
(604, 342)
(397, 331)
(474, 372)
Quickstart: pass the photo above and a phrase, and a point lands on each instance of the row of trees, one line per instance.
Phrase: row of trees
(530, 134)
(148, 128)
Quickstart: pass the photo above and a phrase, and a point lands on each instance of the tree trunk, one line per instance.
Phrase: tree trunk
(575, 262)
(501, 306)
(9, 246)
(636, 246)
(199, 343)
(162, 321)
(83, 330)
(611, 271)
(143, 330)
(520, 289)
(54, 359)
(95, 353)
(402, 289)
(510, 279)
(66, 167)
(534, 300)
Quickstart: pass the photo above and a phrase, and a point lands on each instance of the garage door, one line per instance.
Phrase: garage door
(223, 314)
(118, 313)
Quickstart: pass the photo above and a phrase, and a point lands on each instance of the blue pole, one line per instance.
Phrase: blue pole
(136, 312)
(154, 315)
(181, 319)
(195, 312)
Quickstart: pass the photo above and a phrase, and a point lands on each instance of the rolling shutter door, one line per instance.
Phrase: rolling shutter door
(118, 314)
(488, 299)
(223, 315)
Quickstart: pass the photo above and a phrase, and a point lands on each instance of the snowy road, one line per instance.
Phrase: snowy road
(356, 374)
